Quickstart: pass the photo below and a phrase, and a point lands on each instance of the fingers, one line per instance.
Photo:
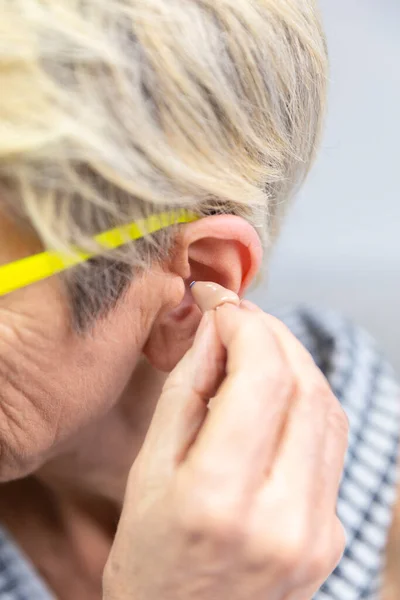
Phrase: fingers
(300, 455)
(302, 449)
(273, 412)
(238, 440)
(318, 412)
(315, 440)
(335, 453)
(182, 407)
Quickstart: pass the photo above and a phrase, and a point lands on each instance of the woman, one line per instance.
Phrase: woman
(208, 114)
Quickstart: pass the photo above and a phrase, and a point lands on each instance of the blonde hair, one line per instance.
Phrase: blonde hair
(113, 109)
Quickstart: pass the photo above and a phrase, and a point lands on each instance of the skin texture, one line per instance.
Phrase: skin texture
(92, 428)
(236, 500)
(74, 410)
(59, 381)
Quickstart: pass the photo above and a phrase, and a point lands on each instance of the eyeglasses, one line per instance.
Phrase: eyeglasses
(26, 271)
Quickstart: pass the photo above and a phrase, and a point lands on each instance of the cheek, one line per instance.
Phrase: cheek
(52, 381)
(89, 375)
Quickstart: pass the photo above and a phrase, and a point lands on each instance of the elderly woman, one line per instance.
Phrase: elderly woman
(145, 145)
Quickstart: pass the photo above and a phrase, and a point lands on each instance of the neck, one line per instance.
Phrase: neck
(73, 503)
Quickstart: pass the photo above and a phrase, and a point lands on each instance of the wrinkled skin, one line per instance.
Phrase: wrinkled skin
(75, 411)
(242, 505)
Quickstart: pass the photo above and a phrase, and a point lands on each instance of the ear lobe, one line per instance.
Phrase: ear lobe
(172, 334)
(224, 249)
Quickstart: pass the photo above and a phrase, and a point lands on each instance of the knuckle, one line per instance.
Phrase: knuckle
(212, 521)
(291, 561)
(302, 560)
(209, 515)
(258, 554)
(338, 421)
(325, 557)
(222, 526)
(285, 552)
(318, 566)
(318, 389)
(292, 551)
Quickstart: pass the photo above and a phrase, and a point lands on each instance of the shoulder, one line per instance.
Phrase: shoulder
(18, 578)
(365, 384)
(349, 357)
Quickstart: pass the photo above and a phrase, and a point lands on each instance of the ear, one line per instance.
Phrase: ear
(224, 249)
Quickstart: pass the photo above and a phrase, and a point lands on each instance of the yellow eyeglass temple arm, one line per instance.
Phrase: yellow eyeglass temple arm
(24, 272)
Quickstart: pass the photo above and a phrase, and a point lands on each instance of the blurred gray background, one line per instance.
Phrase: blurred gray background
(340, 247)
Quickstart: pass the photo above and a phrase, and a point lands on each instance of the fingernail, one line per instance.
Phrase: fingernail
(209, 295)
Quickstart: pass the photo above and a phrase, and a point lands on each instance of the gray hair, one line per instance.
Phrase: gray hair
(111, 110)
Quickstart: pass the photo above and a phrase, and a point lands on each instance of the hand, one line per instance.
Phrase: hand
(235, 499)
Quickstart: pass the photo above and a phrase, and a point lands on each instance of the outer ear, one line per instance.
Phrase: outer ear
(225, 249)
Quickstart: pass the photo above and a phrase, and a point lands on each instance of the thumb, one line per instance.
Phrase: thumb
(182, 407)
